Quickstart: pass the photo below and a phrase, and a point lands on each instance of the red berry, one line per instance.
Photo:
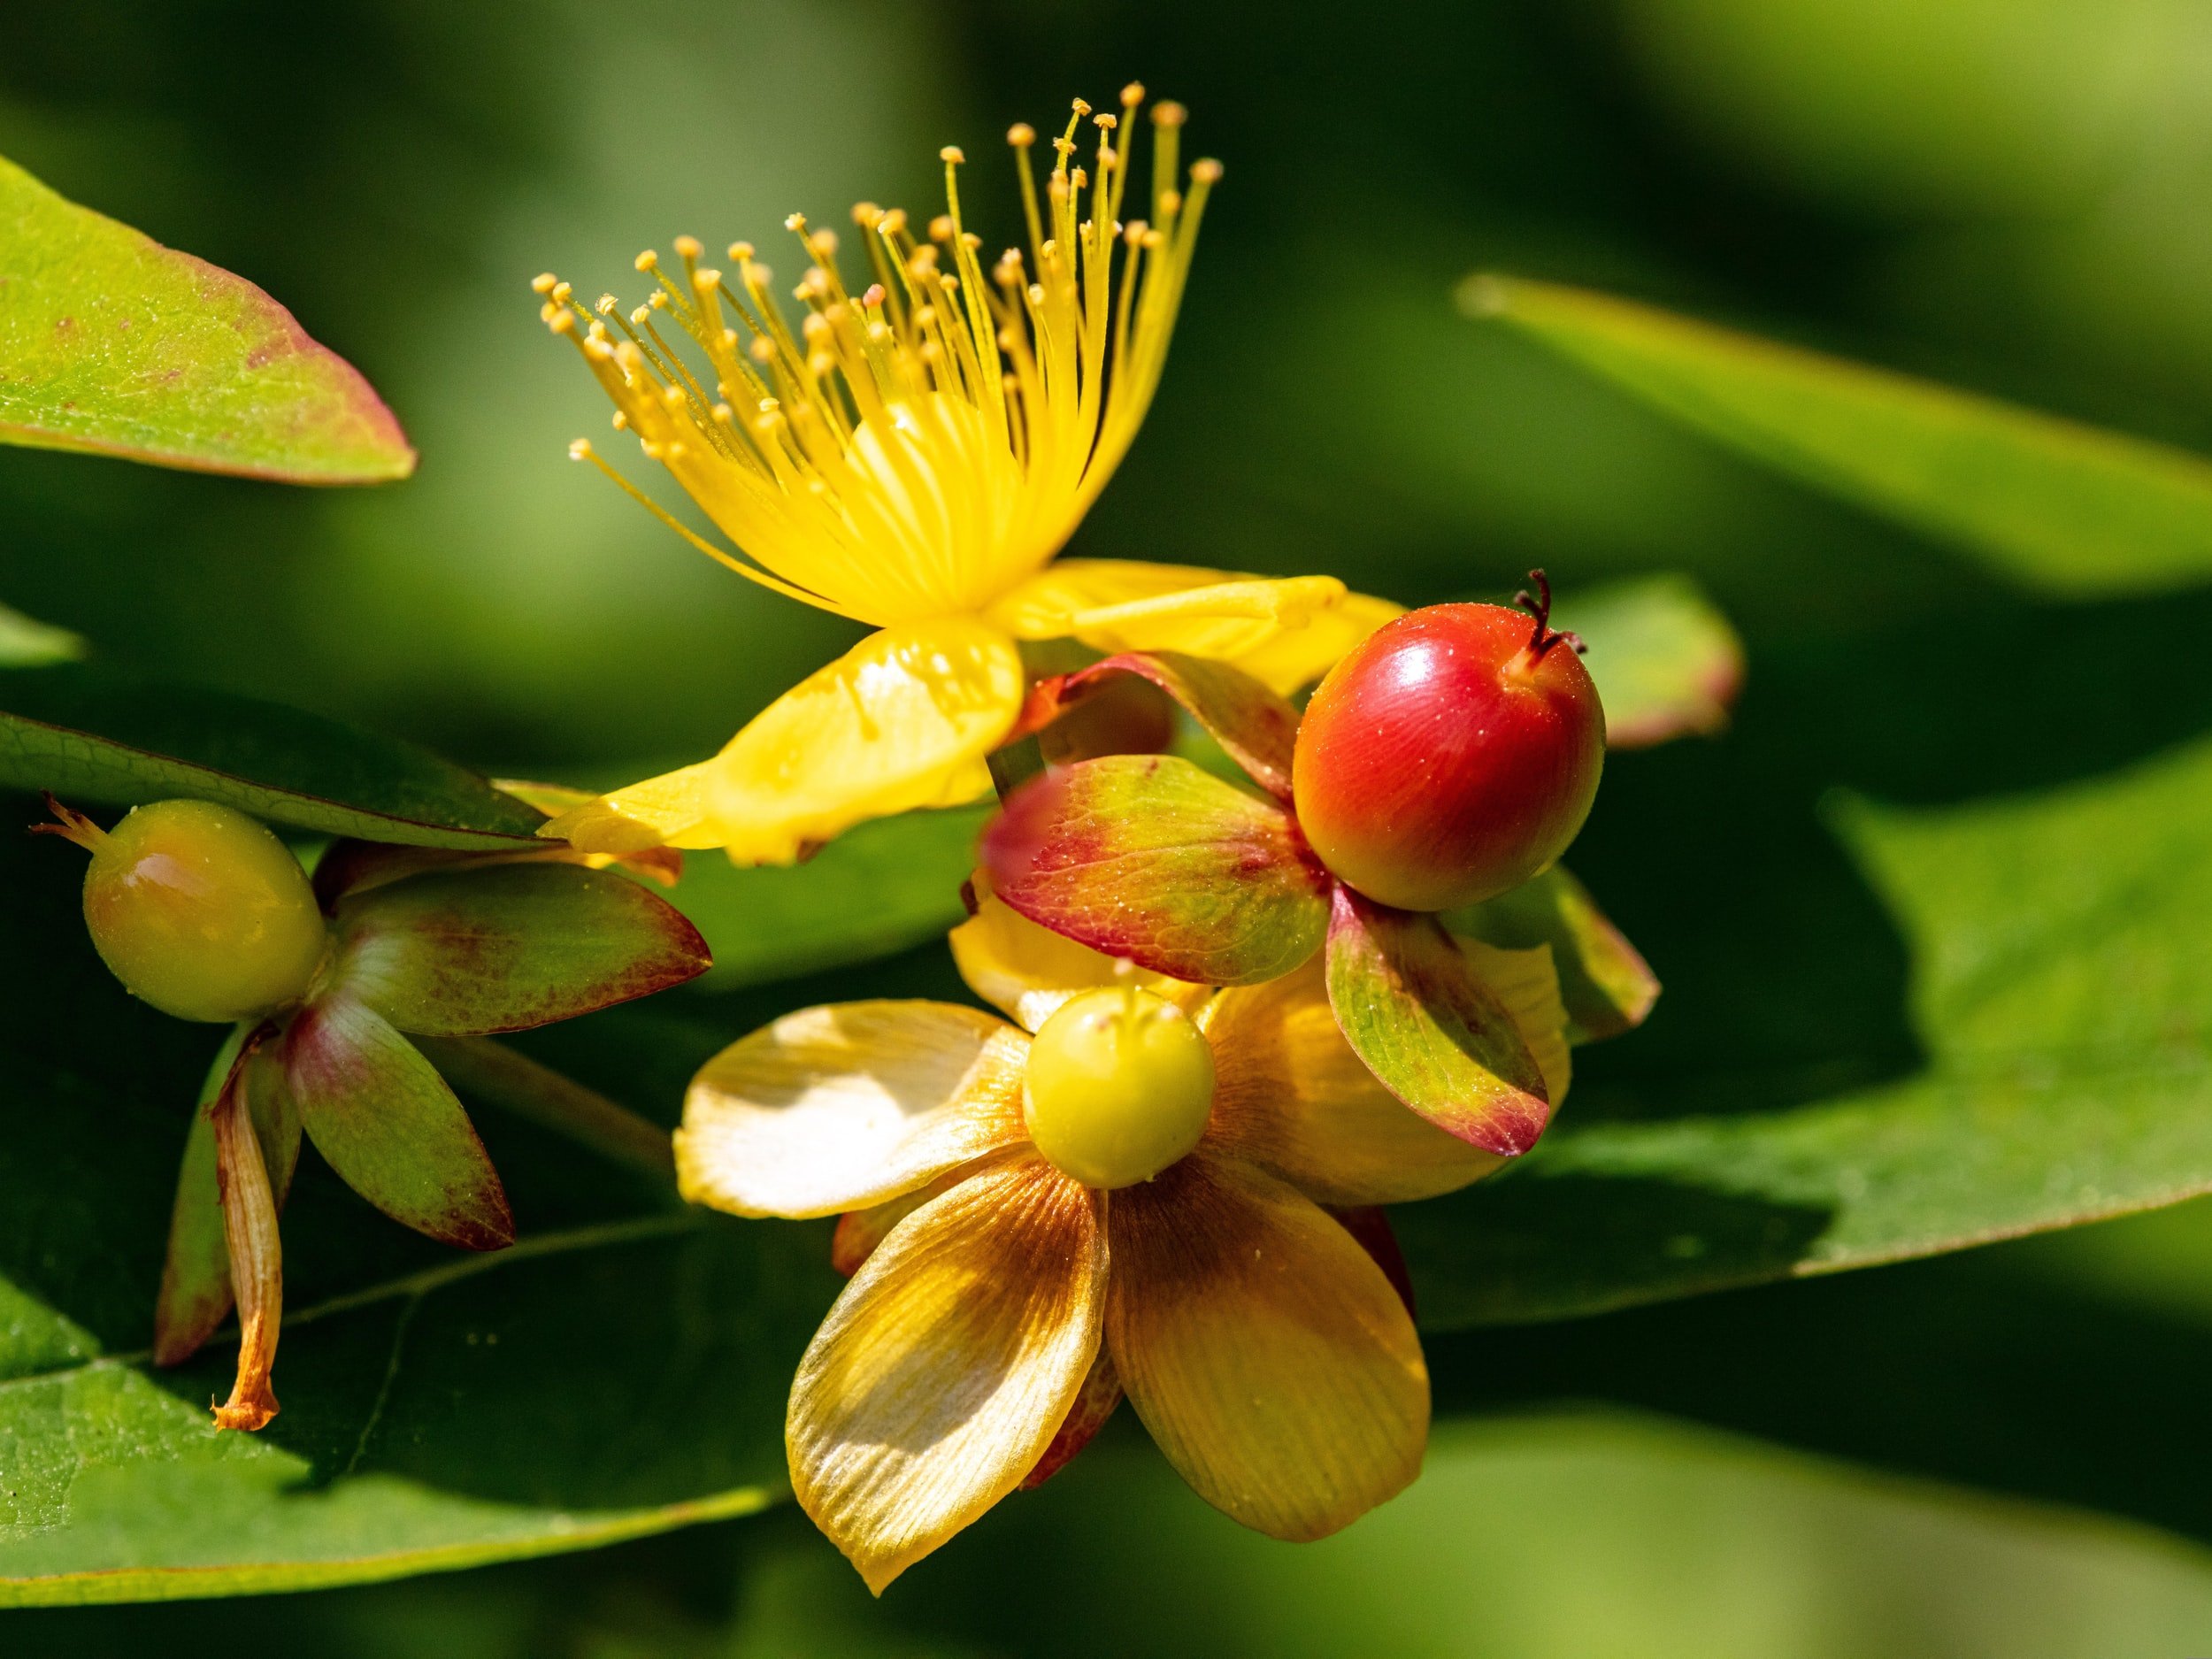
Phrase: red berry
(1452, 755)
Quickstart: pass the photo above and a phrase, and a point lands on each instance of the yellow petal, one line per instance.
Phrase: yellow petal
(1527, 983)
(1286, 632)
(840, 1108)
(669, 810)
(902, 720)
(1028, 971)
(1298, 657)
(944, 1372)
(1291, 1096)
(1264, 1348)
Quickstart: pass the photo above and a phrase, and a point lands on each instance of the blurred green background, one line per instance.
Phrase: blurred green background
(2008, 196)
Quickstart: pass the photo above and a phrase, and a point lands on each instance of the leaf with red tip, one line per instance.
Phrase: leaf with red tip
(1665, 660)
(1257, 729)
(385, 1120)
(469, 952)
(111, 343)
(1428, 1029)
(1150, 858)
(1606, 985)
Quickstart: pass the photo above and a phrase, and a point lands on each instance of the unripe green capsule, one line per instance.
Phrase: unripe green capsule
(1120, 1086)
(199, 911)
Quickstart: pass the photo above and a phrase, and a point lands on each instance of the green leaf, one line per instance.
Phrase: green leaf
(1433, 1035)
(111, 342)
(95, 736)
(1257, 728)
(1607, 986)
(1148, 857)
(884, 886)
(1666, 663)
(387, 1123)
(2063, 999)
(25, 643)
(508, 947)
(2062, 507)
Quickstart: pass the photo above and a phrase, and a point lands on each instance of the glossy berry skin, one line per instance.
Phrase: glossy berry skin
(1451, 755)
(202, 912)
(1120, 1086)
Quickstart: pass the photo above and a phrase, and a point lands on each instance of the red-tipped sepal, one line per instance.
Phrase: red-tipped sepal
(1257, 729)
(1429, 1031)
(387, 1122)
(470, 952)
(1149, 858)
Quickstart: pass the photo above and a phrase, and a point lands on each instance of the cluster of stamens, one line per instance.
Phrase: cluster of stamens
(938, 433)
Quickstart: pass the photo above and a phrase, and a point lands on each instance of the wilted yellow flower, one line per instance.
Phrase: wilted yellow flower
(912, 457)
(1126, 1193)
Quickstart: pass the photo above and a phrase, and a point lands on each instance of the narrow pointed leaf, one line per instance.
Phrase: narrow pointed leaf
(508, 947)
(111, 342)
(1408, 1004)
(1148, 857)
(385, 1120)
(97, 737)
(1257, 728)
(1608, 988)
(1666, 663)
(2058, 505)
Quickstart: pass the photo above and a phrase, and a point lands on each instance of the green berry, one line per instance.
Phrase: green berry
(1120, 1086)
(199, 911)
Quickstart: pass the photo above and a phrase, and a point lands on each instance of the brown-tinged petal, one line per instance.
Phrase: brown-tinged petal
(859, 1232)
(945, 1370)
(1265, 1351)
(1291, 1096)
(256, 1255)
(1100, 1397)
(1029, 970)
(841, 1107)
(195, 1294)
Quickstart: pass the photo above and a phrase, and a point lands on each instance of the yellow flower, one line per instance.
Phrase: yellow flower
(1001, 1304)
(913, 458)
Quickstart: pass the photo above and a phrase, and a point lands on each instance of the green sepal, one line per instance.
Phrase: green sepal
(1433, 1035)
(1149, 858)
(384, 1119)
(508, 947)
(1666, 662)
(115, 344)
(1255, 728)
(1608, 988)
(195, 1297)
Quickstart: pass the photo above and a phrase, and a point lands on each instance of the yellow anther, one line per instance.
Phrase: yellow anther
(705, 277)
(647, 261)
(1169, 113)
(872, 295)
(562, 293)
(741, 251)
(688, 248)
(542, 283)
(952, 153)
(893, 222)
(1080, 108)
(657, 299)
(1132, 94)
(641, 315)
(1021, 135)
(559, 321)
(621, 421)
(1106, 123)
(823, 242)
(866, 214)
(1206, 171)
(579, 450)
(795, 222)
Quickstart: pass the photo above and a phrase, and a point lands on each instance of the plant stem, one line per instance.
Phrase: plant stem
(491, 1070)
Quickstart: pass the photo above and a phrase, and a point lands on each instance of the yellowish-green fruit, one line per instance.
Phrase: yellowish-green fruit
(201, 911)
(1119, 1087)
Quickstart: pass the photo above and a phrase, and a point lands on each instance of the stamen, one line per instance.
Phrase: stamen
(257, 1253)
